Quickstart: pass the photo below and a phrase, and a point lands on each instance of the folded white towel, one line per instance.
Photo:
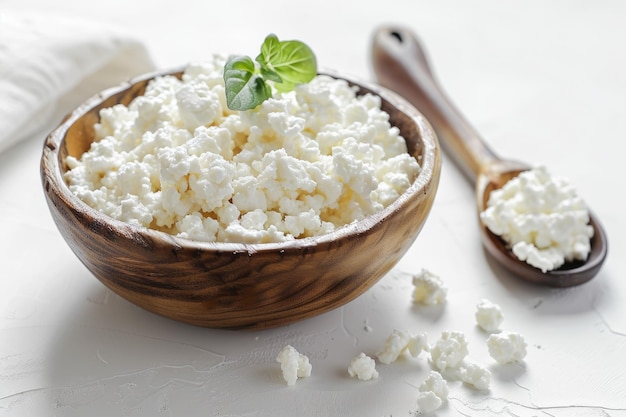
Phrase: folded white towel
(50, 64)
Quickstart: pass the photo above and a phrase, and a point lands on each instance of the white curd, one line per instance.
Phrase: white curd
(301, 164)
(542, 218)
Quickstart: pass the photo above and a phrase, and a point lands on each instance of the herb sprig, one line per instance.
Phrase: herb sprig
(284, 63)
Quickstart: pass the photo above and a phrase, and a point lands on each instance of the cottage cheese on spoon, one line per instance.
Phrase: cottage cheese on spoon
(542, 218)
(302, 163)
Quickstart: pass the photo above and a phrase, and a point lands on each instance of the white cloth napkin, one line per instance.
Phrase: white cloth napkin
(50, 64)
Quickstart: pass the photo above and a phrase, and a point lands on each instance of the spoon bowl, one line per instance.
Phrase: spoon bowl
(400, 64)
(571, 273)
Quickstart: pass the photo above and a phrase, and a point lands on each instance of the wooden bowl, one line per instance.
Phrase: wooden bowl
(232, 285)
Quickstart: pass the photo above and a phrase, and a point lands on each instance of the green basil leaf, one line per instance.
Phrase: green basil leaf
(293, 61)
(271, 75)
(245, 89)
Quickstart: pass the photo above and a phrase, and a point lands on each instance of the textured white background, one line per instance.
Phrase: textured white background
(544, 82)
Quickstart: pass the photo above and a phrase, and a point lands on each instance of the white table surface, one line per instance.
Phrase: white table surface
(544, 82)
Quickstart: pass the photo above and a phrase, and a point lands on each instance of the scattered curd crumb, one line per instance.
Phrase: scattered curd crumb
(418, 344)
(367, 327)
(429, 288)
(488, 315)
(395, 344)
(475, 375)
(506, 347)
(400, 341)
(432, 392)
(541, 218)
(293, 364)
(363, 367)
(449, 350)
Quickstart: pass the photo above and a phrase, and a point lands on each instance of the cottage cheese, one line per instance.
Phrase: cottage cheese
(301, 164)
(476, 375)
(488, 315)
(400, 341)
(432, 392)
(542, 218)
(293, 365)
(363, 367)
(449, 350)
(507, 347)
(429, 289)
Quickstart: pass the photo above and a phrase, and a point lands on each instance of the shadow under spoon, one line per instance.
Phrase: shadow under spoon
(400, 64)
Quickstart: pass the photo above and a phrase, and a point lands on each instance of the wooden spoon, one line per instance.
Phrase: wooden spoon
(400, 64)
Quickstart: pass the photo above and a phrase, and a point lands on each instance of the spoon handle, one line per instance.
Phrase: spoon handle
(400, 64)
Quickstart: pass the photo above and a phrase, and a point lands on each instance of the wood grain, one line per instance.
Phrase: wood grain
(230, 285)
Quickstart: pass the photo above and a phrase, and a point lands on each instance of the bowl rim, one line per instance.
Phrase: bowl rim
(429, 167)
